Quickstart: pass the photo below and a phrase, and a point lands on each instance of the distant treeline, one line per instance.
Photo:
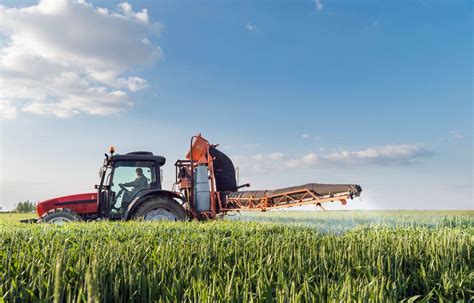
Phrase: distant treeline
(25, 207)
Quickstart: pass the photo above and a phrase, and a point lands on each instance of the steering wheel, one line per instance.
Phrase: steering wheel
(123, 188)
(119, 194)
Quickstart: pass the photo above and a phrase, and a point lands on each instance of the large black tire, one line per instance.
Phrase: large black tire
(60, 216)
(160, 208)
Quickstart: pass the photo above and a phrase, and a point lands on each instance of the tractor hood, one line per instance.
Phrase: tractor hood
(79, 203)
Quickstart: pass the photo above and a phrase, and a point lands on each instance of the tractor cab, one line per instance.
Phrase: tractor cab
(124, 178)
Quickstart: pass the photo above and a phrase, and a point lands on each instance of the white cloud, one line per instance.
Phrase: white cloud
(133, 83)
(250, 27)
(94, 101)
(308, 136)
(318, 4)
(272, 156)
(456, 134)
(387, 155)
(7, 111)
(128, 11)
(68, 57)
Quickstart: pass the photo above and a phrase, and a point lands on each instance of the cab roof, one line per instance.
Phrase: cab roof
(140, 156)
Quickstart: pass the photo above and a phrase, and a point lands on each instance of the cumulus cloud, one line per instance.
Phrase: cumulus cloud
(319, 6)
(250, 27)
(308, 136)
(272, 156)
(456, 134)
(133, 83)
(386, 155)
(7, 111)
(65, 57)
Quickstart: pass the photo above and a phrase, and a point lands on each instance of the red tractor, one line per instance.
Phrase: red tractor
(205, 188)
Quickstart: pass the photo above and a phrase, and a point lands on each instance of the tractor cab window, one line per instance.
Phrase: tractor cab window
(128, 178)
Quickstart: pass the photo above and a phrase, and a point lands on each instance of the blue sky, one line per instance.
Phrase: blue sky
(377, 93)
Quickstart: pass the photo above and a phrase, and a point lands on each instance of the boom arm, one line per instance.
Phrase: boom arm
(230, 199)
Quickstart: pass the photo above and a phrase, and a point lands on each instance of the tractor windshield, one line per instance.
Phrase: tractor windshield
(128, 178)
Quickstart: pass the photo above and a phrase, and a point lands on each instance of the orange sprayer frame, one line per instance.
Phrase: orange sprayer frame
(199, 154)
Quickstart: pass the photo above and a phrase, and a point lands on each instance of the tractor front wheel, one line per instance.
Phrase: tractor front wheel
(160, 208)
(60, 216)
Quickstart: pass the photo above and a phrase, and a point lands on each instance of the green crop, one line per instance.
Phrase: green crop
(429, 259)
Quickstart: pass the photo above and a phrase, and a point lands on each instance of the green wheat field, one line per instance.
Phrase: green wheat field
(284, 256)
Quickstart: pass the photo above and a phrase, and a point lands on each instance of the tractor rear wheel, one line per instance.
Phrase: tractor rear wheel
(60, 216)
(160, 208)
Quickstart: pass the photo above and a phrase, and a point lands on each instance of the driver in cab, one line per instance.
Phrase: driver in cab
(139, 183)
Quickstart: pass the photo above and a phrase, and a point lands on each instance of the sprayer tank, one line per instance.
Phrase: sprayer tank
(202, 195)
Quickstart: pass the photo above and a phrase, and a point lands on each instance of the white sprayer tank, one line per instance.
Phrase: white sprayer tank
(202, 191)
